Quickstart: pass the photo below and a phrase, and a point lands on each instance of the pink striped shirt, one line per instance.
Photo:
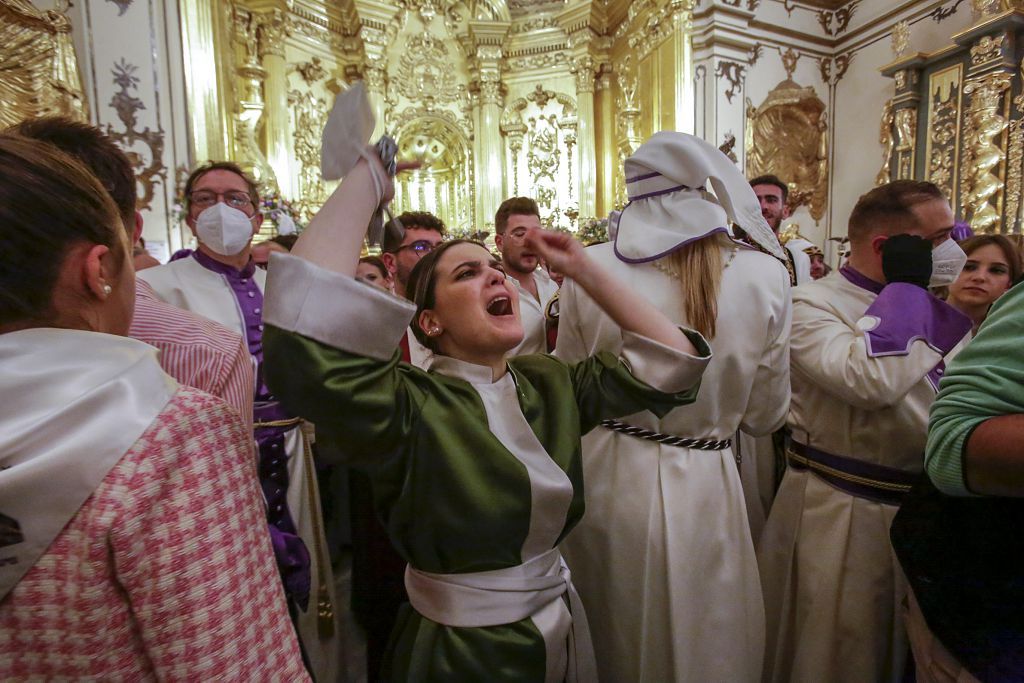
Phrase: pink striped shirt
(195, 350)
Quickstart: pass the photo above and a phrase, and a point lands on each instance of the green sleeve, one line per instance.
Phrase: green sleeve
(982, 382)
(369, 405)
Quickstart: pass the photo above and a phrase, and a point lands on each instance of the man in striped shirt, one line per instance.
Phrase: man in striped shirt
(195, 351)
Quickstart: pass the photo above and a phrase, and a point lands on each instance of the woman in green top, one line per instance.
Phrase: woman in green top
(475, 463)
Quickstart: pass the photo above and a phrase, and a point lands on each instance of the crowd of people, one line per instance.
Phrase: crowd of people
(689, 453)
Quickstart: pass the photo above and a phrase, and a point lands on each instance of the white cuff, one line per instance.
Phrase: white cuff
(333, 309)
(662, 367)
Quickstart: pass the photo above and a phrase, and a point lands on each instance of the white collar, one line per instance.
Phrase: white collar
(464, 370)
(83, 399)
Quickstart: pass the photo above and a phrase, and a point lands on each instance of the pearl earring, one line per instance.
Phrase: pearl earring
(107, 289)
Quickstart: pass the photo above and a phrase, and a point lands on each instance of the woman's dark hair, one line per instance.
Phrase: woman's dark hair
(1009, 249)
(422, 284)
(377, 263)
(48, 203)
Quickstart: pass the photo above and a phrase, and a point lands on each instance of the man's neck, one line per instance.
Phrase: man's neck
(526, 280)
(238, 261)
(867, 268)
(400, 288)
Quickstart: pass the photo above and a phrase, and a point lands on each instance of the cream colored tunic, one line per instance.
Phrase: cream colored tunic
(663, 557)
(833, 588)
(531, 312)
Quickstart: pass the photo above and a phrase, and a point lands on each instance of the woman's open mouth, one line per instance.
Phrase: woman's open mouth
(500, 306)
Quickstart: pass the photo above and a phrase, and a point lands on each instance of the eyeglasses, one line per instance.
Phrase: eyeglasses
(421, 247)
(236, 199)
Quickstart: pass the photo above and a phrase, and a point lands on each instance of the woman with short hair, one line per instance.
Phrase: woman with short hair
(133, 542)
(475, 463)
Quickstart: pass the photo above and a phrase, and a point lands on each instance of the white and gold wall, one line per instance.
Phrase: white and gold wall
(543, 98)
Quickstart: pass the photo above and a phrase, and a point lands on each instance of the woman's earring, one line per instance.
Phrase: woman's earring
(107, 289)
(434, 331)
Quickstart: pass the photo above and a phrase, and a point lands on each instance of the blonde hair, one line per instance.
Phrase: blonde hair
(698, 267)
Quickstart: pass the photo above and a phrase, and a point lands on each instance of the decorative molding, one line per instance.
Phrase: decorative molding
(888, 142)
(900, 38)
(728, 147)
(789, 61)
(541, 61)
(147, 173)
(733, 72)
(755, 54)
(1015, 168)
(311, 71)
(987, 49)
(841, 64)
(840, 17)
(271, 30)
(425, 72)
(940, 14)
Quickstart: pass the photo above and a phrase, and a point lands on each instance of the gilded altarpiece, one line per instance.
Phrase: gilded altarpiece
(957, 120)
(544, 98)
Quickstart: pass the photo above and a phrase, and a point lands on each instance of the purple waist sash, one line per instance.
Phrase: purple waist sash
(858, 478)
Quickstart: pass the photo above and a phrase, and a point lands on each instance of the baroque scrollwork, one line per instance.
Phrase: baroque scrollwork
(840, 18)
(310, 116)
(986, 50)
(544, 125)
(840, 63)
(311, 71)
(425, 73)
(733, 72)
(147, 172)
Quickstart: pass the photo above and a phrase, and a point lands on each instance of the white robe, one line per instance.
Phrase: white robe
(663, 557)
(833, 587)
(531, 312)
(185, 283)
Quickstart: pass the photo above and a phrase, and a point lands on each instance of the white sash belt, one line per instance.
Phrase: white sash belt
(533, 589)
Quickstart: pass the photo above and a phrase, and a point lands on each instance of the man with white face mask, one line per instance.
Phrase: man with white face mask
(868, 347)
(220, 281)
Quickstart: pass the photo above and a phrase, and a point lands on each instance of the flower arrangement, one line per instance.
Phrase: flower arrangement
(593, 231)
(281, 214)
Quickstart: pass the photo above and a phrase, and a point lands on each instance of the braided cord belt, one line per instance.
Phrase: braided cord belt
(699, 444)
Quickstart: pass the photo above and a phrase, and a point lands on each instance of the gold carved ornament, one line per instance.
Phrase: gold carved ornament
(984, 155)
(888, 142)
(789, 138)
(39, 66)
(147, 174)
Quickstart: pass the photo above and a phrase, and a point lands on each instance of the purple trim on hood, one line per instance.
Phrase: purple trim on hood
(648, 259)
(659, 193)
(646, 176)
(906, 313)
(860, 280)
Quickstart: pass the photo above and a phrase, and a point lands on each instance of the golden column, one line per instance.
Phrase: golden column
(272, 28)
(582, 22)
(607, 158)
(375, 16)
(209, 66)
(487, 38)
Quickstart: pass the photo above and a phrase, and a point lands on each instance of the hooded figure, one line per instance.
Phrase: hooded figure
(663, 559)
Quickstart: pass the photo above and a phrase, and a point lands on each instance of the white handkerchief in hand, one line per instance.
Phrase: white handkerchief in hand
(348, 129)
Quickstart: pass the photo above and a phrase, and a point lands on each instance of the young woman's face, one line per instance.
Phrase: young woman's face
(370, 274)
(476, 307)
(984, 278)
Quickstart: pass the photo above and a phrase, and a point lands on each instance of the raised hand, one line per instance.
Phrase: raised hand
(560, 251)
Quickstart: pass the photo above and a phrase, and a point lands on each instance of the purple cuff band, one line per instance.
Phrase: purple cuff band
(906, 313)
(659, 193)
